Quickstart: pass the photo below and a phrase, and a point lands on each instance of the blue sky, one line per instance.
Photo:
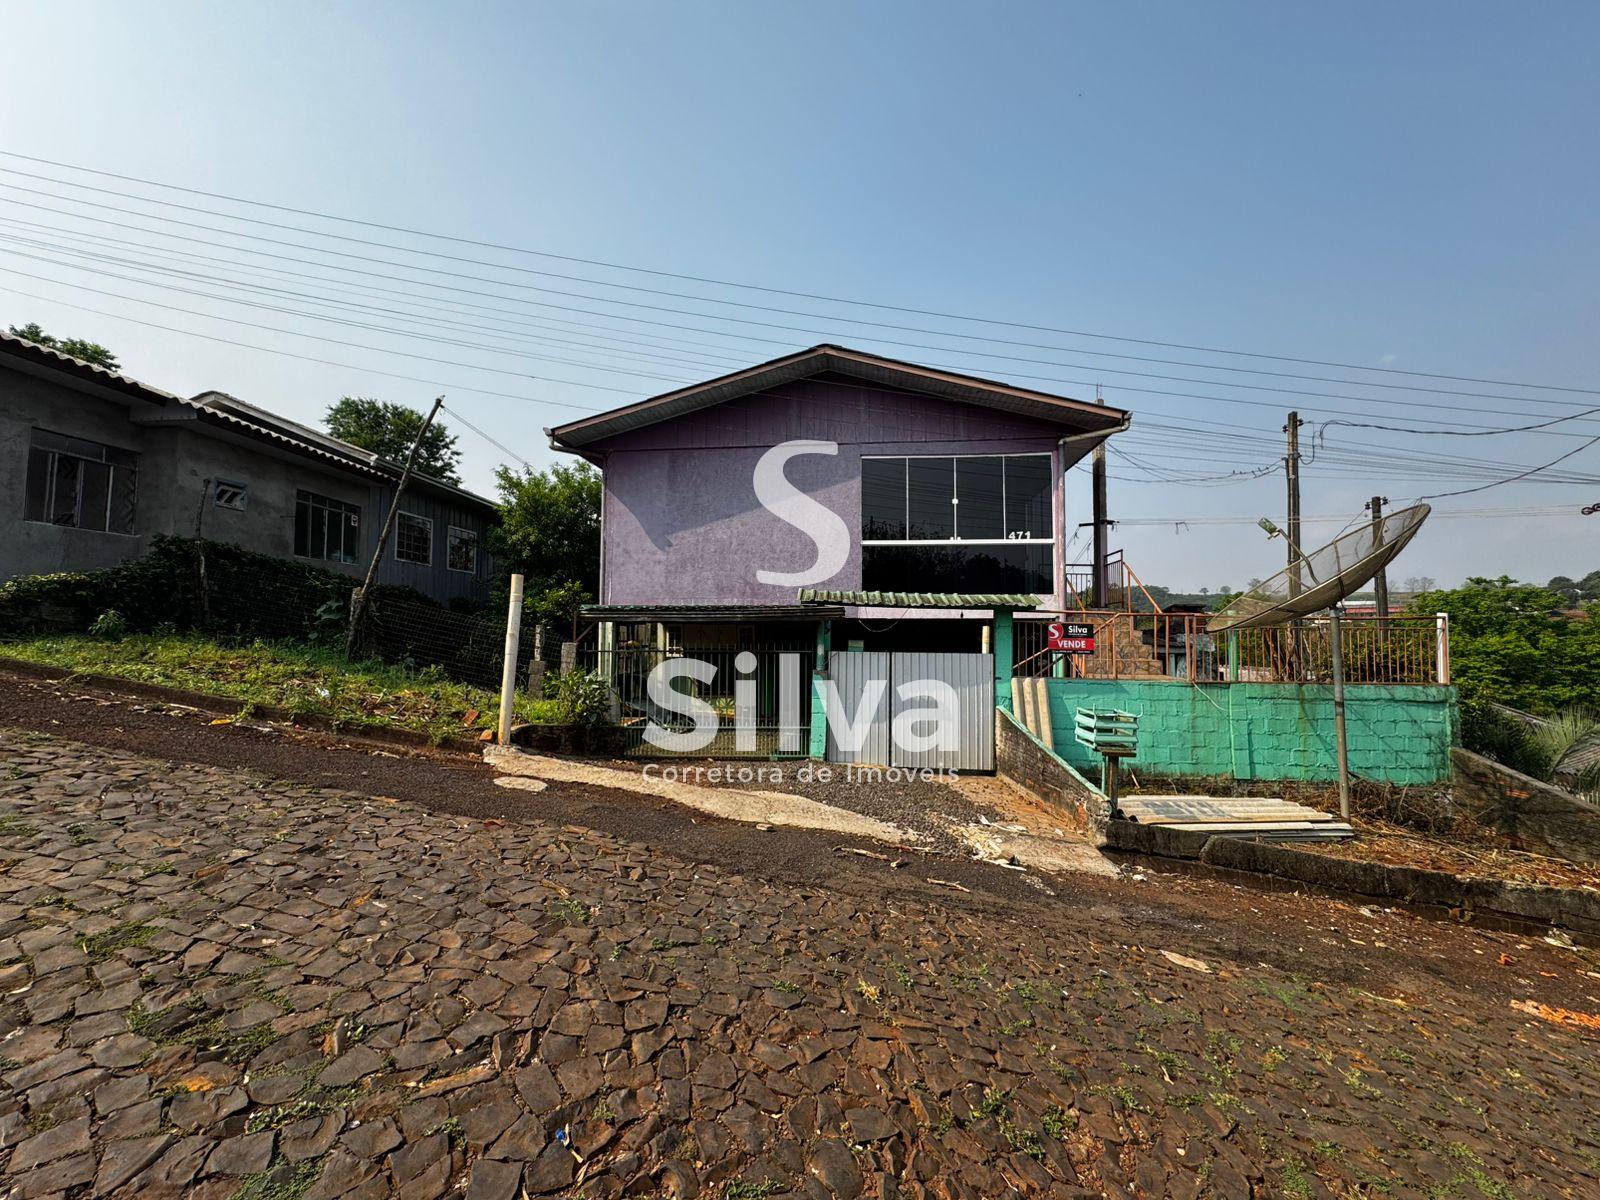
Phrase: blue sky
(1404, 186)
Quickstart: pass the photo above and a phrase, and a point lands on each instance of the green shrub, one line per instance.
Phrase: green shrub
(110, 625)
(1489, 731)
(582, 698)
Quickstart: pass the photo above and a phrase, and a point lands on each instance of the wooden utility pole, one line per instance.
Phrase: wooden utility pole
(1102, 551)
(1380, 581)
(359, 607)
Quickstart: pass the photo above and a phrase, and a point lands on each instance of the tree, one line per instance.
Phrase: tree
(1567, 588)
(550, 532)
(390, 429)
(1512, 643)
(1419, 583)
(89, 352)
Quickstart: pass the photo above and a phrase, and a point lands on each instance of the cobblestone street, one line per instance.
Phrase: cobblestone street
(214, 983)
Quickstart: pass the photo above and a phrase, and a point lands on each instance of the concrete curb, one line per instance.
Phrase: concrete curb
(227, 706)
(1570, 908)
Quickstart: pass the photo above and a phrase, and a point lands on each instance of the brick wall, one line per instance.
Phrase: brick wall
(1030, 764)
(1396, 734)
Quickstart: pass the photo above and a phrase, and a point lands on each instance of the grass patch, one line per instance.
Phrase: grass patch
(570, 911)
(101, 946)
(280, 1181)
(13, 825)
(307, 681)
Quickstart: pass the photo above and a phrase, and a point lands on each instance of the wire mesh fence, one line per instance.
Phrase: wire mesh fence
(470, 647)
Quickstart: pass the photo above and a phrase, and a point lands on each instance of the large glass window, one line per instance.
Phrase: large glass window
(80, 484)
(883, 499)
(413, 539)
(326, 528)
(962, 523)
(462, 550)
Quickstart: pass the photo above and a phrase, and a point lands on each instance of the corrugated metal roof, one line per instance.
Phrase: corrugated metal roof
(890, 372)
(714, 612)
(229, 411)
(920, 599)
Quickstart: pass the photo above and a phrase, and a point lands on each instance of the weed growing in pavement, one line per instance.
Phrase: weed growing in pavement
(604, 1112)
(1274, 1057)
(300, 1108)
(1012, 1028)
(1057, 1121)
(1288, 994)
(744, 1189)
(869, 992)
(101, 946)
(783, 985)
(77, 836)
(570, 911)
(661, 945)
(13, 825)
(282, 1180)
(451, 1128)
(1293, 1181)
(1123, 1093)
(902, 974)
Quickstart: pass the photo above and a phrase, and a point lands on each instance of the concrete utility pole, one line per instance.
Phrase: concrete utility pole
(1291, 463)
(1380, 581)
(358, 609)
(1102, 551)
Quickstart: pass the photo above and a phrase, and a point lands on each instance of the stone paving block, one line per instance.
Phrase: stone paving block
(385, 998)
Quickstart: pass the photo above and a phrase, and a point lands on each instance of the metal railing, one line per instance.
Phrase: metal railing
(1160, 645)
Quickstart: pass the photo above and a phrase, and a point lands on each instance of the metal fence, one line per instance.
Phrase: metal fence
(1157, 645)
(469, 647)
(768, 693)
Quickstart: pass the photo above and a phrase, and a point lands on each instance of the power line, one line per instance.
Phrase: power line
(714, 300)
(711, 281)
(753, 337)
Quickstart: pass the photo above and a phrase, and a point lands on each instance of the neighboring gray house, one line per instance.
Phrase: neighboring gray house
(93, 465)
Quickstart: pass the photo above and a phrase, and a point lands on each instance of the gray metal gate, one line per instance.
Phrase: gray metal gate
(874, 680)
(855, 675)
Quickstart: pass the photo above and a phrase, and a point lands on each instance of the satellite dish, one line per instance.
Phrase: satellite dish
(1324, 577)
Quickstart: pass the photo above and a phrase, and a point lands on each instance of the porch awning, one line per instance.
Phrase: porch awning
(1005, 600)
(711, 613)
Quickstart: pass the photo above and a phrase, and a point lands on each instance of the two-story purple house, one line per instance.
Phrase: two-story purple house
(834, 500)
(939, 482)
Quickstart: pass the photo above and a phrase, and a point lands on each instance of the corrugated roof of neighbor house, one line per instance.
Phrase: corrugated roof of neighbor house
(861, 599)
(229, 411)
(874, 368)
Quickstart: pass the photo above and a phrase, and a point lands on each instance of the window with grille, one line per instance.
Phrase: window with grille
(80, 484)
(463, 549)
(957, 523)
(230, 495)
(413, 539)
(326, 528)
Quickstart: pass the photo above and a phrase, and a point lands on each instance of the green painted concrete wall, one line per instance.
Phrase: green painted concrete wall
(1396, 734)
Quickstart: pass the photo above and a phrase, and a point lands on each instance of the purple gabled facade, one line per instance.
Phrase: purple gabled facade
(682, 522)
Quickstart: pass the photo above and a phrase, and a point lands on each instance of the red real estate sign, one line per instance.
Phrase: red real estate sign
(1072, 638)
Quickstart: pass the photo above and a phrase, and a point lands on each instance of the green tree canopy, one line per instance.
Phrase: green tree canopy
(1513, 643)
(550, 532)
(90, 352)
(389, 429)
